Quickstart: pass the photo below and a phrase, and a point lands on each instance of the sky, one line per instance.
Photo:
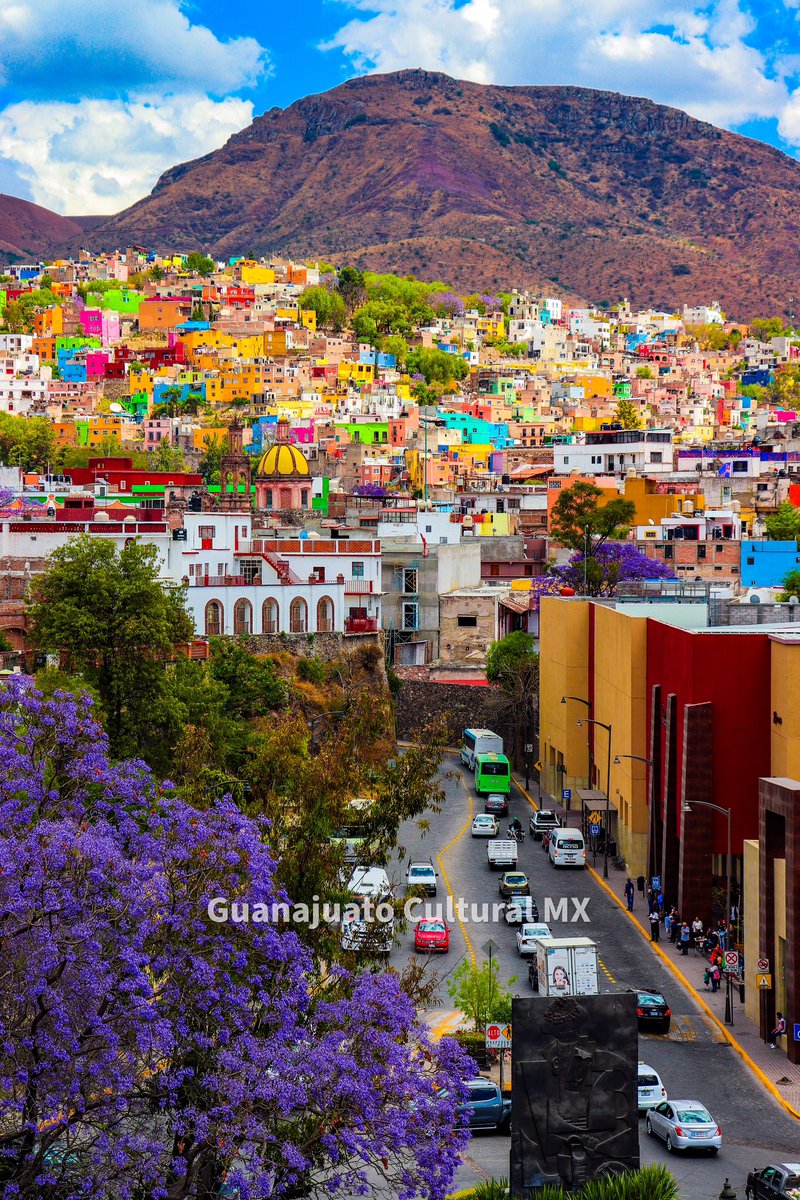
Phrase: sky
(98, 97)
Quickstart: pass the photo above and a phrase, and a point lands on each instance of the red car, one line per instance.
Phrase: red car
(432, 934)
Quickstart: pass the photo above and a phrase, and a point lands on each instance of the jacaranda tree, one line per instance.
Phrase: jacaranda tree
(149, 1053)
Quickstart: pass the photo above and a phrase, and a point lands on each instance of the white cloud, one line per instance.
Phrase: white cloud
(676, 53)
(97, 156)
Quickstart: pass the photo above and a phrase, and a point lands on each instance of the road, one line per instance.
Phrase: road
(694, 1060)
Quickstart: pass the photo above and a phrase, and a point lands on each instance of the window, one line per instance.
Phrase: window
(466, 622)
(656, 456)
(206, 531)
(325, 615)
(410, 580)
(701, 552)
(251, 568)
(718, 549)
(242, 617)
(269, 616)
(410, 615)
(214, 619)
(751, 562)
(429, 529)
(319, 574)
(740, 468)
(669, 552)
(358, 570)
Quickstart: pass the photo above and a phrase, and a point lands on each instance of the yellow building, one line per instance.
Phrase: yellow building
(355, 372)
(252, 273)
(595, 385)
(492, 326)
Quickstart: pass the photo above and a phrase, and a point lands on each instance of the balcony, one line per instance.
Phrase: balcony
(361, 625)
(218, 581)
(358, 587)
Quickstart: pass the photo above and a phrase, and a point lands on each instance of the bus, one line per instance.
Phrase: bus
(492, 774)
(353, 836)
(479, 741)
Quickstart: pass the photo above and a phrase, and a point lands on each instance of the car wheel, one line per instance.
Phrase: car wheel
(713, 1150)
(665, 1027)
(669, 1145)
(648, 1127)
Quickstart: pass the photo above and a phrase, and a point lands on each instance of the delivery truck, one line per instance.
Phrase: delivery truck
(567, 966)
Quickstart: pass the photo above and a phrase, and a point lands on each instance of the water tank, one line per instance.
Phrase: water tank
(736, 506)
(688, 508)
(102, 517)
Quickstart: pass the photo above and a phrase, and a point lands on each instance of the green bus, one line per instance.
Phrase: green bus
(492, 774)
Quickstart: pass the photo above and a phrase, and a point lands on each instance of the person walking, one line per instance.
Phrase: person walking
(629, 891)
(654, 923)
(715, 978)
(660, 902)
(686, 937)
(778, 1031)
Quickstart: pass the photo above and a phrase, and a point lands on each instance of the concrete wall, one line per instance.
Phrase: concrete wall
(327, 646)
(785, 705)
(563, 671)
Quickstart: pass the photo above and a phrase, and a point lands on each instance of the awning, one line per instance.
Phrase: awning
(592, 798)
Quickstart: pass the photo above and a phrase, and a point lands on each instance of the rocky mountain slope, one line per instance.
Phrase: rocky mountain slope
(587, 192)
(28, 231)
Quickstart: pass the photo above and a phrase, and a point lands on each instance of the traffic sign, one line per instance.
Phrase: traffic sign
(797, 1032)
(566, 793)
(529, 747)
(764, 982)
(763, 965)
(732, 960)
(594, 829)
(539, 765)
(594, 818)
(498, 1037)
(490, 948)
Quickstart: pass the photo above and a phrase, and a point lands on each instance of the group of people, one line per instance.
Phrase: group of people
(712, 941)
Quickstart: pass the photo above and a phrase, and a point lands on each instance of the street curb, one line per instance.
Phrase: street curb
(445, 877)
(730, 1039)
(528, 797)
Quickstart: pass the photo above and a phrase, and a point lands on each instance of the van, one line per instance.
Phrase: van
(369, 883)
(567, 848)
(478, 741)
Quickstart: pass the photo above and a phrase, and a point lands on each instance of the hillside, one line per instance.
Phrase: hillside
(582, 191)
(29, 231)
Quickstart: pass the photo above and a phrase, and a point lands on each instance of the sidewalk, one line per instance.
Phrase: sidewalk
(772, 1067)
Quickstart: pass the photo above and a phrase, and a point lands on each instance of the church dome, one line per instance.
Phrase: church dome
(282, 461)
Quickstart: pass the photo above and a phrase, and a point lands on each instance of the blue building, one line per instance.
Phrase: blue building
(766, 564)
(763, 376)
(386, 362)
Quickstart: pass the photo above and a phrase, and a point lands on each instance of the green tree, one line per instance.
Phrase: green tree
(199, 264)
(784, 390)
(644, 372)
(166, 458)
(766, 328)
(397, 345)
(46, 282)
(253, 687)
(581, 523)
(211, 459)
(169, 402)
(113, 621)
(156, 273)
(435, 365)
(329, 307)
(784, 524)
(352, 287)
(513, 663)
(791, 587)
(626, 414)
(477, 990)
(514, 652)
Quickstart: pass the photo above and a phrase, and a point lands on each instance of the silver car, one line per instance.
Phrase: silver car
(528, 935)
(684, 1125)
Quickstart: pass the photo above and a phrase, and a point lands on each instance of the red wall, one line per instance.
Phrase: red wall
(732, 672)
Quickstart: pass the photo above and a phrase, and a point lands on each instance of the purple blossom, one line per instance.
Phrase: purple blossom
(146, 1050)
(493, 303)
(611, 563)
(446, 304)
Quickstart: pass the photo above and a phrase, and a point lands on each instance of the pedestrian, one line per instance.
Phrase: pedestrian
(697, 931)
(629, 891)
(648, 897)
(674, 925)
(715, 978)
(778, 1031)
(686, 935)
(654, 922)
(706, 978)
(661, 902)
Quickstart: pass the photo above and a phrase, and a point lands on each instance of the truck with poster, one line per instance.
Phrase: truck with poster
(567, 966)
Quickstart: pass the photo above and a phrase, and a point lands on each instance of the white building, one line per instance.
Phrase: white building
(703, 314)
(613, 452)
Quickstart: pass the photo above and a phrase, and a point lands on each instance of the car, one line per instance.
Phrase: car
(529, 934)
(497, 804)
(487, 1107)
(485, 825)
(542, 821)
(684, 1125)
(432, 934)
(651, 1089)
(520, 909)
(778, 1181)
(422, 875)
(369, 883)
(652, 1011)
(377, 937)
(514, 883)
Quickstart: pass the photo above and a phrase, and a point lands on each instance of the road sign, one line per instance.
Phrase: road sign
(594, 829)
(731, 960)
(498, 1037)
(539, 765)
(797, 1032)
(490, 948)
(763, 965)
(594, 818)
(529, 747)
(764, 982)
(566, 793)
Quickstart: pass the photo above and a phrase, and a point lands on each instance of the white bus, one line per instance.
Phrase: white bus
(479, 741)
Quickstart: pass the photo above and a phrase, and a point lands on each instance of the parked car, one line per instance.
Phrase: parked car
(432, 934)
(684, 1125)
(520, 909)
(485, 825)
(652, 1011)
(529, 934)
(543, 821)
(651, 1089)
(487, 1107)
(514, 883)
(422, 875)
(497, 804)
(778, 1181)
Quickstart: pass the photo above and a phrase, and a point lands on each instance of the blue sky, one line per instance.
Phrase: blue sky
(97, 98)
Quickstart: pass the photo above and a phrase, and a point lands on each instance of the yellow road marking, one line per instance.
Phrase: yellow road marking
(444, 1024)
(606, 970)
(530, 799)
(439, 858)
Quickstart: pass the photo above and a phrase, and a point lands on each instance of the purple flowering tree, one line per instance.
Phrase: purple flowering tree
(446, 304)
(610, 563)
(149, 1052)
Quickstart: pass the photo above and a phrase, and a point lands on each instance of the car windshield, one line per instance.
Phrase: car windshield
(420, 871)
(648, 1081)
(650, 998)
(695, 1116)
(431, 926)
(484, 819)
(516, 879)
(482, 1093)
(545, 815)
(569, 844)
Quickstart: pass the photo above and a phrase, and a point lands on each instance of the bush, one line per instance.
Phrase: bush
(313, 669)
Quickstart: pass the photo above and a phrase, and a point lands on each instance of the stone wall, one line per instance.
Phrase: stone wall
(423, 699)
(327, 646)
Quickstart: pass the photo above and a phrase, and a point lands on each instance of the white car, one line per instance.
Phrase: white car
(684, 1125)
(651, 1089)
(374, 936)
(485, 825)
(528, 935)
(369, 883)
(520, 909)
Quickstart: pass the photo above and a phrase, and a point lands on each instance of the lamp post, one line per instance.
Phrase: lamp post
(602, 724)
(588, 703)
(651, 764)
(726, 812)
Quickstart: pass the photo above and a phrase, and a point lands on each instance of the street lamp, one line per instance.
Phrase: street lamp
(602, 724)
(589, 705)
(726, 812)
(652, 765)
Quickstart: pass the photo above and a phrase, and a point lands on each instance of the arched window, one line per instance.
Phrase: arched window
(269, 616)
(325, 615)
(298, 616)
(215, 619)
(242, 617)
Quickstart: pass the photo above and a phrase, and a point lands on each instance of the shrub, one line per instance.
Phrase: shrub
(313, 669)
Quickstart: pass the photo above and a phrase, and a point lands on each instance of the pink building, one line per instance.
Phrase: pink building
(101, 323)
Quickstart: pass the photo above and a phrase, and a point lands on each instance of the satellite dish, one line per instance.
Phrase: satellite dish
(116, 408)
(794, 600)
(754, 598)
(650, 521)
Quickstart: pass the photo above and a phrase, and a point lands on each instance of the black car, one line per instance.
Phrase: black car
(496, 804)
(779, 1181)
(652, 1011)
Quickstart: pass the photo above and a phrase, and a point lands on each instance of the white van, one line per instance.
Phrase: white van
(567, 848)
(479, 741)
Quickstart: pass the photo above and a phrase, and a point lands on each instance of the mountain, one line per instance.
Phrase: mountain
(28, 231)
(586, 192)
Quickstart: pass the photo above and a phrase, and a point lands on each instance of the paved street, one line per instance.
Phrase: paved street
(694, 1060)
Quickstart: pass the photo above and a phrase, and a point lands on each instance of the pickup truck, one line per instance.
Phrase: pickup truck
(502, 854)
(487, 1107)
(775, 1182)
